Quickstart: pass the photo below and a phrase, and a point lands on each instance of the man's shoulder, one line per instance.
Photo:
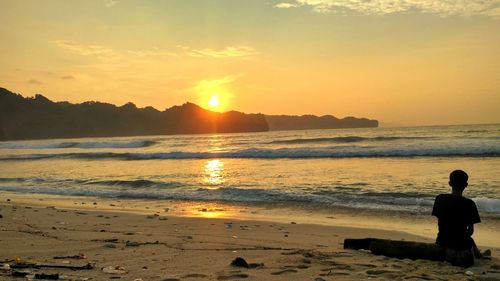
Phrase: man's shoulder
(453, 199)
(470, 201)
(443, 196)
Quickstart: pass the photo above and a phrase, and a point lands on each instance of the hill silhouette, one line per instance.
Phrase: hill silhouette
(40, 118)
(309, 122)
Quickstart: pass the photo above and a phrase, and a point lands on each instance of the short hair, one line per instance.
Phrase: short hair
(458, 178)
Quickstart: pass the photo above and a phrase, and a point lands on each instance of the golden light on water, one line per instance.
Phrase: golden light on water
(210, 210)
(214, 172)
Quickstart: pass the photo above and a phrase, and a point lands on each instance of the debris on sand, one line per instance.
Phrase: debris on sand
(241, 262)
(114, 269)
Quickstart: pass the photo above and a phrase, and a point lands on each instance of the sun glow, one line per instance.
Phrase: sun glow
(214, 101)
(215, 94)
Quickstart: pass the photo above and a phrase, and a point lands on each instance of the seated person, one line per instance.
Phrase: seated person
(456, 218)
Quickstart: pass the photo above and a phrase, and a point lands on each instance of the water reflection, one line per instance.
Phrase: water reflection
(214, 172)
(211, 210)
(215, 143)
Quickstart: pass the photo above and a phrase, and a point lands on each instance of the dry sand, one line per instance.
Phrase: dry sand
(155, 243)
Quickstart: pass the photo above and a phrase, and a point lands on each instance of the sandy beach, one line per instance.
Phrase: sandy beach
(155, 243)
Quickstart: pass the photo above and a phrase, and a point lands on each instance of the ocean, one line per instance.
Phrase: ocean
(396, 169)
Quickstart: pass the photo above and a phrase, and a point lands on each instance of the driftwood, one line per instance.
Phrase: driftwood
(398, 249)
(40, 265)
(78, 257)
(47, 276)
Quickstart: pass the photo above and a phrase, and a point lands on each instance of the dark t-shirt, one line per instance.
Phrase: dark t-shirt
(455, 214)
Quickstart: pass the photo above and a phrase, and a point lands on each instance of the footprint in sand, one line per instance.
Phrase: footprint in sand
(382, 272)
(298, 266)
(289, 270)
(233, 276)
(194, 275)
(421, 277)
(366, 265)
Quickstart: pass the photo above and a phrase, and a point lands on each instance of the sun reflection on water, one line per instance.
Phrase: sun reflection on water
(210, 210)
(214, 172)
(215, 143)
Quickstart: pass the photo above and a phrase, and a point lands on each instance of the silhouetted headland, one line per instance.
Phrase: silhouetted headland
(39, 118)
(309, 122)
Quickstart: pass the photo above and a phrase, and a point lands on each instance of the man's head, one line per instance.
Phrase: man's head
(458, 180)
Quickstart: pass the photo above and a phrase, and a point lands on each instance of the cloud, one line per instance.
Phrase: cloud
(216, 83)
(34, 81)
(68, 77)
(286, 5)
(108, 54)
(110, 3)
(86, 50)
(382, 7)
(153, 52)
(231, 51)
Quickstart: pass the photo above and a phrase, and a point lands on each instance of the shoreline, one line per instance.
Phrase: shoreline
(163, 245)
(420, 226)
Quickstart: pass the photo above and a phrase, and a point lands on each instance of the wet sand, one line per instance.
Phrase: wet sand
(154, 242)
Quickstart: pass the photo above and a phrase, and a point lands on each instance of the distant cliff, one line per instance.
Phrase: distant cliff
(40, 118)
(309, 122)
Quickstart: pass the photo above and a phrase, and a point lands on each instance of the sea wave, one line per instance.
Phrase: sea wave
(140, 183)
(487, 204)
(230, 195)
(89, 144)
(399, 202)
(133, 183)
(282, 153)
(347, 139)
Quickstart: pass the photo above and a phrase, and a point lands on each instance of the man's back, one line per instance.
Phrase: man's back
(455, 214)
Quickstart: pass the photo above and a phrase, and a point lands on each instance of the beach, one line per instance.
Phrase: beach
(184, 207)
(249, 140)
(165, 240)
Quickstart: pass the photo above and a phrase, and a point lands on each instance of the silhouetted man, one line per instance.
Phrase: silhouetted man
(456, 218)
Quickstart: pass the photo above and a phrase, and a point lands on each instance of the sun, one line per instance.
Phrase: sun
(214, 101)
(213, 96)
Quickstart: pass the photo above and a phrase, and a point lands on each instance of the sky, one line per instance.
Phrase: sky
(403, 62)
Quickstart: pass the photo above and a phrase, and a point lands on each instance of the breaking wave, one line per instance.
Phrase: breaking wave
(348, 139)
(391, 201)
(283, 153)
(90, 144)
(135, 183)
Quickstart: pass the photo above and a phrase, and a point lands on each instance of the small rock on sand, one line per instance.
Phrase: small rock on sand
(132, 244)
(239, 262)
(114, 270)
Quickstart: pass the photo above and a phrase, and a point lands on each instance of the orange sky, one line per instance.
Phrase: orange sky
(401, 62)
